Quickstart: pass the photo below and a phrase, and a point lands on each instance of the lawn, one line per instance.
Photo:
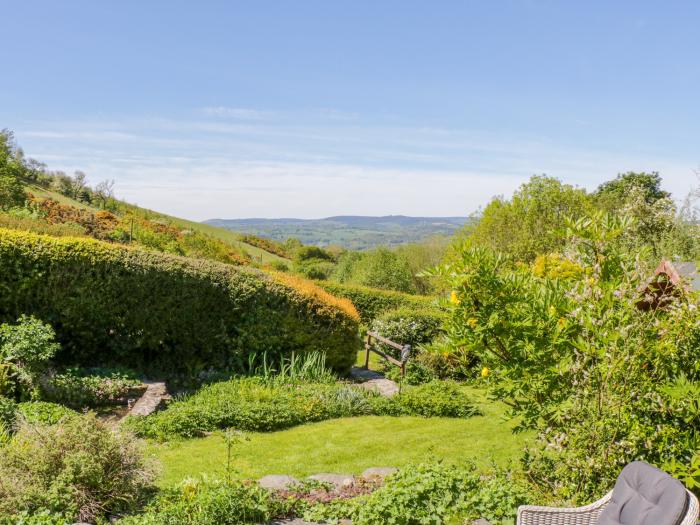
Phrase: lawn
(349, 446)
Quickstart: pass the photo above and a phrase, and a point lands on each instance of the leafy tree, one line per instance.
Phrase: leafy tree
(616, 193)
(383, 268)
(12, 192)
(529, 224)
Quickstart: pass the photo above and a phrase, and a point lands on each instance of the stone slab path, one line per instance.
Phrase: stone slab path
(372, 380)
(156, 393)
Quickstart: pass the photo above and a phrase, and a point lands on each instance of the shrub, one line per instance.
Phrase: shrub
(253, 404)
(602, 382)
(80, 469)
(26, 347)
(260, 405)
(372, 302)
(269, 245)
(432, 494)
(43, 412)
(409, 326)
(378, 268)
(8, 415)
(208, 502)
(79, 388)
(434, 399)
(416, 373)
(446, 360)
(114, 304)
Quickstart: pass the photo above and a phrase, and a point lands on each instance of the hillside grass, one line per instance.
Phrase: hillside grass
(232, 238)
(349, 446)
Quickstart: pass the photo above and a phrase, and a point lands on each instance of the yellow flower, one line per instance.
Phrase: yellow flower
(552, 310)
(472, 321)
(561, 323)
(484, 372)
(454, 299)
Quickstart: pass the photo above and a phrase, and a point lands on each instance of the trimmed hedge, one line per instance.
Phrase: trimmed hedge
(111, 304)
(372, 302)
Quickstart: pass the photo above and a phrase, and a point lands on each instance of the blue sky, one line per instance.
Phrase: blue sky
(315, 108)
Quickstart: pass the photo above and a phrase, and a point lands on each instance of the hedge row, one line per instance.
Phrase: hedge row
(115, 304)
(372, 302)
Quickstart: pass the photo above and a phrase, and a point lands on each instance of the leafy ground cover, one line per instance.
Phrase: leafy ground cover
(350, 445)
(263, 404)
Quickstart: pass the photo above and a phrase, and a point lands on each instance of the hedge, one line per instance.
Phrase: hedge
(121, 305)
(372, 302)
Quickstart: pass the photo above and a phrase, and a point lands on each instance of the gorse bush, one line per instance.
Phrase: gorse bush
(262, 405)
(372, 302)
(79, 469)
(120, 305)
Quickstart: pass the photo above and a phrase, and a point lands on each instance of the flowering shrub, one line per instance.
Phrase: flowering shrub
(577, 360)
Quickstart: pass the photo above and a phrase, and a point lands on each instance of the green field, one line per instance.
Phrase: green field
(349, 446)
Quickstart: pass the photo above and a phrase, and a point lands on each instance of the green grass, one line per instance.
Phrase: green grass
(349, 445)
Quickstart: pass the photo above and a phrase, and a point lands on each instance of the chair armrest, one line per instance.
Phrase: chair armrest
(588, 515)
(691, 517)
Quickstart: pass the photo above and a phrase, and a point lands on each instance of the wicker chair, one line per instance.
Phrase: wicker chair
(588, 515)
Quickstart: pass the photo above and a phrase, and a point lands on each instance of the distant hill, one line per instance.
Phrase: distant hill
(350, 231)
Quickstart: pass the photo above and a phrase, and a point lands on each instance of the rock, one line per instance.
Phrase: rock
(277, 482)
(481, 521)
(378, 472)
(339, 481)
(374, 381)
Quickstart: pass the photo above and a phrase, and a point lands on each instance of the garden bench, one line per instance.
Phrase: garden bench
(643, 495)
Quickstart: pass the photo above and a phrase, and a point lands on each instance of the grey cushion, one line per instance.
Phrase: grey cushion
(645, 495)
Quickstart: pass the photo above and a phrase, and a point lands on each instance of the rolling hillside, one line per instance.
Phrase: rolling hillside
(349, 231)
(227, 236)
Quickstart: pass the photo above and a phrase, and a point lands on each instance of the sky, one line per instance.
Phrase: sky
(309, 109)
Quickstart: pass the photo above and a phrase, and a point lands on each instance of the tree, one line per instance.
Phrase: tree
(613, 194)
(529, 223)
(104, 191)
(12, 194)
(79, 184)
(383, 268)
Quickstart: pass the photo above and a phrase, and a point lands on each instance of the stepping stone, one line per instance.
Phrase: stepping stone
(379, 473)
(156, 393)
(277, 482)
(339, 481)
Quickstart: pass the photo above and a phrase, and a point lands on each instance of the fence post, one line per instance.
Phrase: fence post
(368, 348)
(405, 354)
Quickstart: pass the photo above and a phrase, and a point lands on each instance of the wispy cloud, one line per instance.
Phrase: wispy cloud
(236, 113)
(272, 165)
